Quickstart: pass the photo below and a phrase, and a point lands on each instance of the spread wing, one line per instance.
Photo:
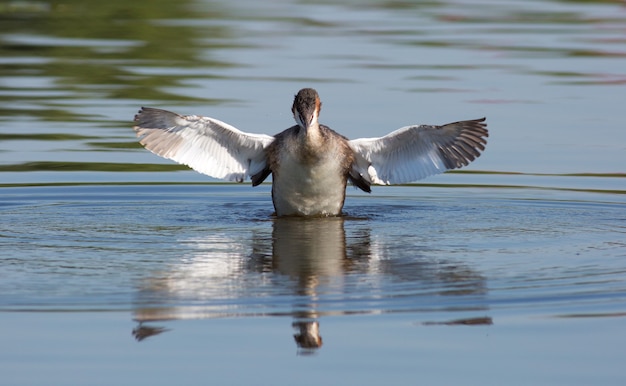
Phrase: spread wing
(415, 152)
(205, 144)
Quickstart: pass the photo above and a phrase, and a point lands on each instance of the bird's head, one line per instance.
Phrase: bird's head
(306, 108)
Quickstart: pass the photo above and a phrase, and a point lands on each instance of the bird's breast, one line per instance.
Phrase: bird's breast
(309, 184)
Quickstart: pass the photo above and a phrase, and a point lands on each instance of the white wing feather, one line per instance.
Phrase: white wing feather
(415, 152)
(205, 144)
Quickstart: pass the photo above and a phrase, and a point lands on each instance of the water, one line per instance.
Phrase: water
(117, 267)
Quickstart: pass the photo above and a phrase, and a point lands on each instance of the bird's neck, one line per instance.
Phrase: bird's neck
(312, 130)
(312, 140)
(313, 133)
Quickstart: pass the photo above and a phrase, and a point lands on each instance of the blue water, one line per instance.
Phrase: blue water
(117, 267)
(413, 280)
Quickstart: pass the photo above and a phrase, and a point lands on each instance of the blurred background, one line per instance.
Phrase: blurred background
(550, 76)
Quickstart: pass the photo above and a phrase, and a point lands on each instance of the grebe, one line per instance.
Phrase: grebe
(310, 163)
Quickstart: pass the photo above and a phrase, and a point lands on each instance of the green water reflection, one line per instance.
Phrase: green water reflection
(83, 48)
(72, 73)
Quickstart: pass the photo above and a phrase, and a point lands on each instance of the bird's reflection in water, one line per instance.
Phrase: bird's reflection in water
(142, 331)
(308, 337)
(310, 251)
(309, 261)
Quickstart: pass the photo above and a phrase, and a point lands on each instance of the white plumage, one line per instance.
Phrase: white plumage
(205, 144)
(416, 152)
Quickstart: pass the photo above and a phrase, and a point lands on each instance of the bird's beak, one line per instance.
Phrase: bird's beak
(301, 119)
(306, 108)
(305, 118)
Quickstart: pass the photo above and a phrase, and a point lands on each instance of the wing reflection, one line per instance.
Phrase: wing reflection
(305, 268)
(142, 331)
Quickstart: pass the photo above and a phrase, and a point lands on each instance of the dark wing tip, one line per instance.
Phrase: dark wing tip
(467, 142)
(151, 118)
(139, 113)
